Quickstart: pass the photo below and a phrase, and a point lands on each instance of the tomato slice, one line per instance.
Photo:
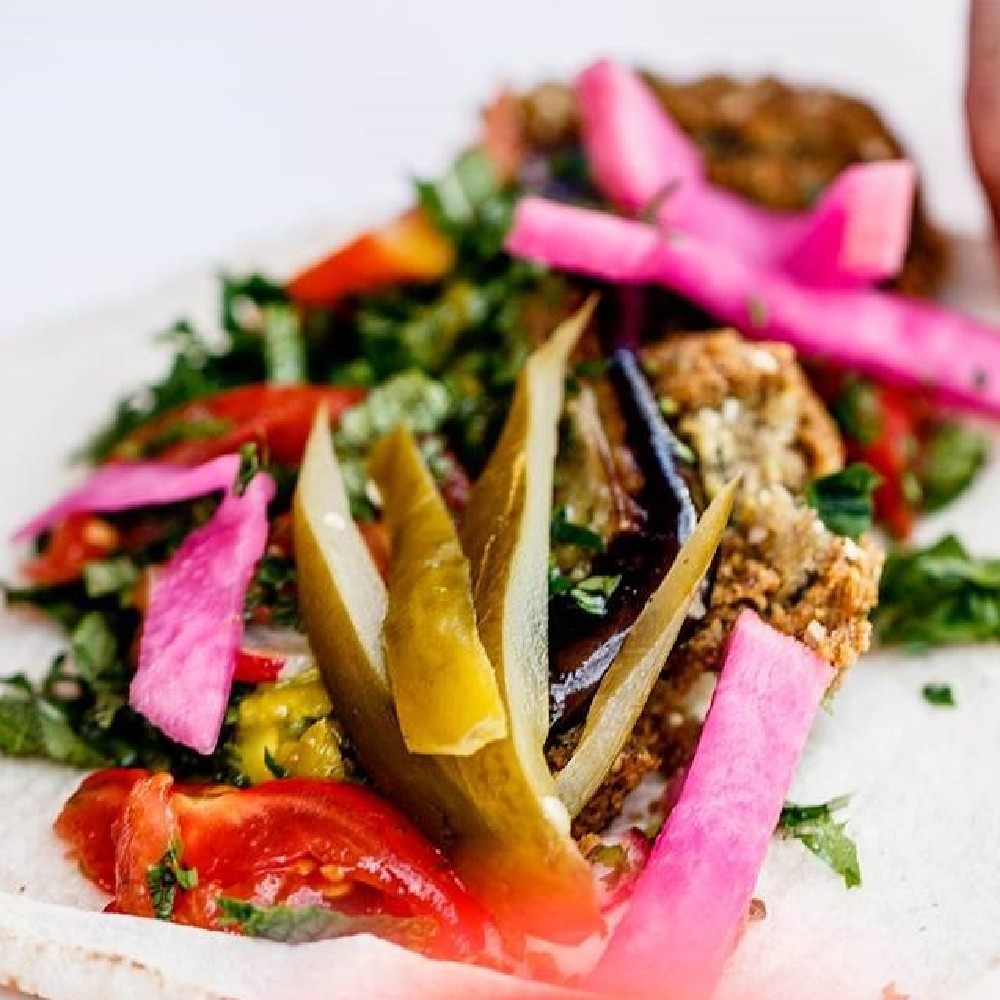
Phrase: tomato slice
(79, 540)
(409, 249)
(296, 841)
(277, 418)
(89, 822)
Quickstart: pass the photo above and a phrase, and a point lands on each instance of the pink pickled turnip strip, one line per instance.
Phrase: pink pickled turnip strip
(124, 486)
(857, 234)
(194, 625)
(693, 896)
(635, 152)
(894, 339)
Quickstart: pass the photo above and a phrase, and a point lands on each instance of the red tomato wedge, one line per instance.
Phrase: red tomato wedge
(89, 822)
(74, 543)
(277, 418)
(409, 249)
(299, 842)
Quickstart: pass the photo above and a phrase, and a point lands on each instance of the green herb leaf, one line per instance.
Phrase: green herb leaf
(567, 532)
(109, 576)
(411, 397)
(939, 694)
(94, 646)
(843, 499)
(33, 727)
(592, 594)
(249, 467)
(277, 769)
(950, 460)
(166, 877)
(301, 924)
(815, 826)
(936, 596)
(858, 411)
(284, 351)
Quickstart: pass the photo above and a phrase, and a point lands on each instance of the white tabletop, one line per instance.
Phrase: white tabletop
(140, 140)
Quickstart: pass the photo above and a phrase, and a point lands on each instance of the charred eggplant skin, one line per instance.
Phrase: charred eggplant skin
(582, 648)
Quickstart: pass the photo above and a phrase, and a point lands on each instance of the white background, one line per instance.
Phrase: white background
(143, 139)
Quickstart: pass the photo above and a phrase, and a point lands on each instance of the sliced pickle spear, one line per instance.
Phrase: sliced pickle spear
(443, 684)
(626, 686)
(497, 813)
(506, 535)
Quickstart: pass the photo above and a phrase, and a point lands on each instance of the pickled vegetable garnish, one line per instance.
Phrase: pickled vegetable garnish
(443, 684)
(626, 686)
(284, 730)
(506, 535)
(497, 810)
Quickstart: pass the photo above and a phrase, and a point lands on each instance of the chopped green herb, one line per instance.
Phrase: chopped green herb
(936, 596)
(273, 588)
(668, 406)
(301, 924)
(277, 769)
(567, 532)
(939, 694)
(411, 397)
(843, 499)
(94, 646)
(249, 467)
(166, 877)
(817, 829)
(284, 351)
(592, 594)
(109, 576)
(950, 459)
(858, 411)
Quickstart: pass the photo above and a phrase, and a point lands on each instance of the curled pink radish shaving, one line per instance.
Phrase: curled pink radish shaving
(894, 339)
(857, 234)
(692, 898)
(125, 486)
(194, 626)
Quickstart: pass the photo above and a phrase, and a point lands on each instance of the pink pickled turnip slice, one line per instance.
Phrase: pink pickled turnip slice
(635, 152)
(891, 338)
(693, 896)
(194, 625)
(857, 234)
(124, 486)
(859, 229)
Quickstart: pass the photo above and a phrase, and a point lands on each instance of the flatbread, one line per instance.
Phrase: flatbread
(925, 807)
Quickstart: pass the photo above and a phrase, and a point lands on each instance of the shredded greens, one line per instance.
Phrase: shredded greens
(936, 596)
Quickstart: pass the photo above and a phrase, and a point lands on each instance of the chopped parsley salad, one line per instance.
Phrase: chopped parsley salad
(336, 583)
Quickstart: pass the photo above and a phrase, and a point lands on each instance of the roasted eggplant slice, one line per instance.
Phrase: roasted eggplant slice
(662, 516)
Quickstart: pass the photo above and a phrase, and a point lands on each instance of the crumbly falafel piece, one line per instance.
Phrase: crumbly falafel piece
(745, 408)
(777, 144)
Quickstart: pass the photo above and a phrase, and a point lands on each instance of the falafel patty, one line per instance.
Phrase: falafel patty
(746, 409)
